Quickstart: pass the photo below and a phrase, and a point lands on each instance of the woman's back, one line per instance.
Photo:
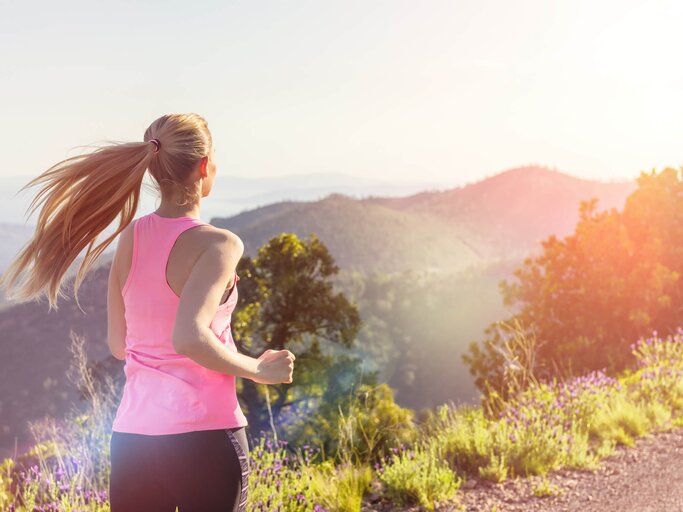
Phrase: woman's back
(166, 392)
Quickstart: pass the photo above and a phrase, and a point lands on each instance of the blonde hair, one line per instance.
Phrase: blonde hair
(83, 194)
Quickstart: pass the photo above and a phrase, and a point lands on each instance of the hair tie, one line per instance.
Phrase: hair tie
(157, 144)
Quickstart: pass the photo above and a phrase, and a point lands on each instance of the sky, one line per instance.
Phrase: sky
(449, 91)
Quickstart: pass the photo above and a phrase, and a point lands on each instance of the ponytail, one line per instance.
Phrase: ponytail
(82, 195)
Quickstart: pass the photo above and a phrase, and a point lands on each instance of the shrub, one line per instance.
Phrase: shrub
(418, 476)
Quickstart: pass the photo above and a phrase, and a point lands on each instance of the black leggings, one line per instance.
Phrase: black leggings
(199, 471)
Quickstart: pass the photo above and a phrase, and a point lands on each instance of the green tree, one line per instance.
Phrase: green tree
(288, 301)
(590, 295)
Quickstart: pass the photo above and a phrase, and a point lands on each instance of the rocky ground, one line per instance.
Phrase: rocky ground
(645, 478)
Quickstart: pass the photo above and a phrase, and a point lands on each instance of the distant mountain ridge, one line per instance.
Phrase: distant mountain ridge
(509, 213)
(360, 235)
(497, 218)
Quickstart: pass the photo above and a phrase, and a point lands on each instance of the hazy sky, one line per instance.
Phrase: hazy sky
(441, 90)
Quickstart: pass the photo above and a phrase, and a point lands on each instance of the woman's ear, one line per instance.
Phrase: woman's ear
(202, 166)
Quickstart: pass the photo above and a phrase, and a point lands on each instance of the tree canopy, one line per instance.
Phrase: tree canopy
(589, 296)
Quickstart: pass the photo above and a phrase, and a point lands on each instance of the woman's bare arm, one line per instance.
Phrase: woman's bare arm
(199, 300)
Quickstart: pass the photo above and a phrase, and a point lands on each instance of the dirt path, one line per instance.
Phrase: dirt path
(645, 478)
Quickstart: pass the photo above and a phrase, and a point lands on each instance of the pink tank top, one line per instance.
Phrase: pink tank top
(166, 392)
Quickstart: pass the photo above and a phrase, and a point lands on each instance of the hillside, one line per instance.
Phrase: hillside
(501, 217)
(361, 235)
(509, 213)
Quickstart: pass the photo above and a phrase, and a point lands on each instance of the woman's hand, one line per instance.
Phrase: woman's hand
(275, 367)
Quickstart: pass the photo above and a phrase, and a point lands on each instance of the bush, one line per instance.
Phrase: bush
(374, 425)
(418, 476)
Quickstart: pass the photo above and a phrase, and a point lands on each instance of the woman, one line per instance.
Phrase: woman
(178, 438)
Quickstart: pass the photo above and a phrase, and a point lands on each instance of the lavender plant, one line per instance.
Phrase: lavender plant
(660, 366)
(279, 480)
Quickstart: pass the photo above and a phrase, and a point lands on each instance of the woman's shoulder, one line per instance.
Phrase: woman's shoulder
(208, 234)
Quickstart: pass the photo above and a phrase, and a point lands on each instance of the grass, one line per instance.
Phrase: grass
(544, 488)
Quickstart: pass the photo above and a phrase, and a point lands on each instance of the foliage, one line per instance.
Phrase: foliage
(279, 481)
(68, 467)
(319, 425)
(290, 278)
(545, 488)
(418, 476)
(288, 301)
(340, 488)
(516, 348)
(660, 364)
(615, 279)
(373, 426)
